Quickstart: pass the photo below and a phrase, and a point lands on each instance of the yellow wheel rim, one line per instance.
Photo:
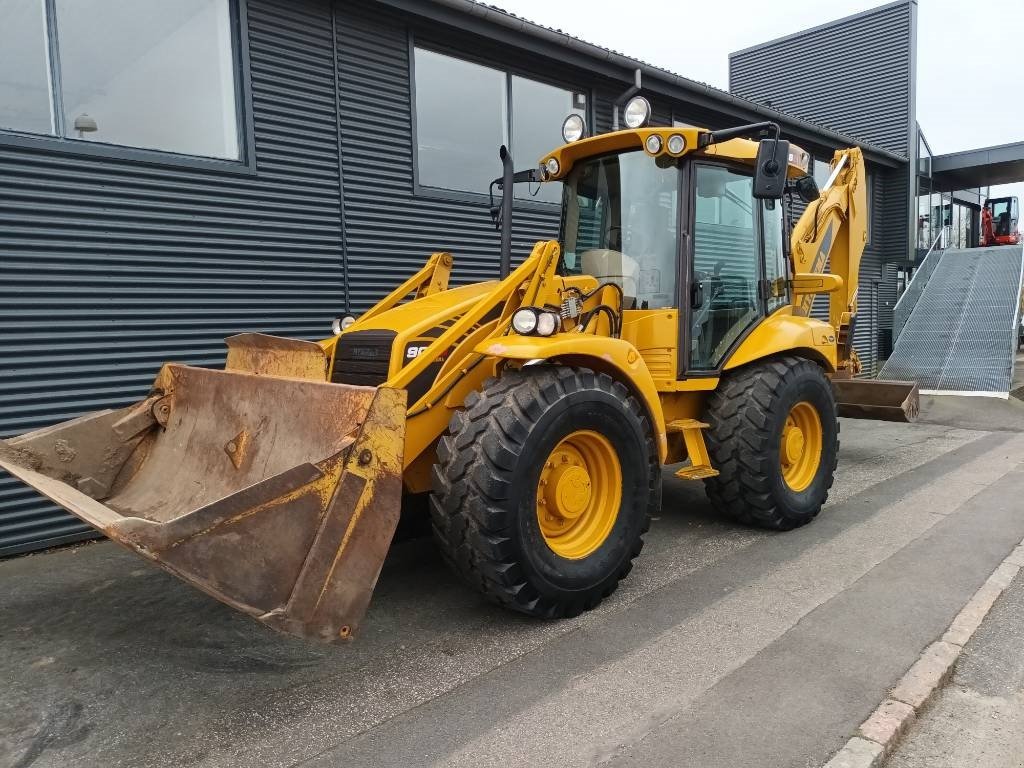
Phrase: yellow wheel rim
(579, 494)
(800, 446)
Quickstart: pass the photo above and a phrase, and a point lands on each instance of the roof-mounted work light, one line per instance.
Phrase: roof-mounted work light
(637, 112)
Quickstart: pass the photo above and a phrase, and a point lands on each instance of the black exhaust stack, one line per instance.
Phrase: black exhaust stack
(505, 222)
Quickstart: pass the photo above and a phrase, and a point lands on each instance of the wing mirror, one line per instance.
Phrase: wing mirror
(771, 168)
(807, 189)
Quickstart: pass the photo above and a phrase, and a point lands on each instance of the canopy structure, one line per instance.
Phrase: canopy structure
(973, 168)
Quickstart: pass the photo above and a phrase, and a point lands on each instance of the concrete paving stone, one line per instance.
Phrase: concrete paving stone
(927, 674)
(858, 753)
(1017, 557)
(888, 723)
(970, 618)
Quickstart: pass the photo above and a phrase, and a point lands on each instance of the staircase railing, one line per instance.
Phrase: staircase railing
(908, 299)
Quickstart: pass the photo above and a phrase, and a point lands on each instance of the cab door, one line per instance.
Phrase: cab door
(726, 267)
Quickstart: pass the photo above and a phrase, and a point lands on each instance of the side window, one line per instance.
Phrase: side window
(457, 148)
(538, 110)
(25, 101)
(465, 111)
(726, 264)
(146, 74)
(821, 170)
(775, 263)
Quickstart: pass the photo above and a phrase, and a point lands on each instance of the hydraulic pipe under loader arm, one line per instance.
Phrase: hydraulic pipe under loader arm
(833, 232)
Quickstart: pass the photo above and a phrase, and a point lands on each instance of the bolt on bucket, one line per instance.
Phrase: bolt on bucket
(278, 496)
(877, 399)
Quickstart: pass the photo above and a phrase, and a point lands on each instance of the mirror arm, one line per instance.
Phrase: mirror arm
(750, 131)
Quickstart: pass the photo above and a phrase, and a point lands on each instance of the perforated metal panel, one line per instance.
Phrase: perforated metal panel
(961, 334)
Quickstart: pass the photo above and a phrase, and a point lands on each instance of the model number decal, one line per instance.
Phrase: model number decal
(416, 348)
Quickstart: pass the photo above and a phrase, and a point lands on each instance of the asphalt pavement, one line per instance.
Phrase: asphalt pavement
(726, 646)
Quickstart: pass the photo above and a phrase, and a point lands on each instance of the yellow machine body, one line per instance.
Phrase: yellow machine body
(275, 485)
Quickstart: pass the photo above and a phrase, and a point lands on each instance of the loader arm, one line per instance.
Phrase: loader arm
(832, 232)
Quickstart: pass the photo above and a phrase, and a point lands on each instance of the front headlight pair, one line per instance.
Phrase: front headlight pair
(530, 321)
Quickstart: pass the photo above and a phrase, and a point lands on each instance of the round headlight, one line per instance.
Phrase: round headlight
(653, 143)
(676, 144)
(340, 324)
(637, 112)
(551, 166)
(524, 321)
(547, 323)
(573, 128)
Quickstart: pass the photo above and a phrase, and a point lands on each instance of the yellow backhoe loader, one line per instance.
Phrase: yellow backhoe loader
(669, 323)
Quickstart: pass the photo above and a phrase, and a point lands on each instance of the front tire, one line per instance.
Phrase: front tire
(774, 438)
(543, 488)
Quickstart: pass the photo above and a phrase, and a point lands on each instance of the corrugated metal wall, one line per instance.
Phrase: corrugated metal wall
(852, 75)
(856, 76)
(109, 267)
(390, 230)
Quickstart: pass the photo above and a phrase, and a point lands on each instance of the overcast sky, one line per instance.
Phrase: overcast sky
(969, 53)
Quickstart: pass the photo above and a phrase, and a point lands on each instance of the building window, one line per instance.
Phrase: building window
(146, 74)
(25, 103)
(465, 111)
(538, 110)
(461, 121)
(821, 170)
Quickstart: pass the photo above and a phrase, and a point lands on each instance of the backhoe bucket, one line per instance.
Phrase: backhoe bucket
(278, 496)
(876, 399)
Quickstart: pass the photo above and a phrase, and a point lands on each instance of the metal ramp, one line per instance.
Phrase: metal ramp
(960, 334)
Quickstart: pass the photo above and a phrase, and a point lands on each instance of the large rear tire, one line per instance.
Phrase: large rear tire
(774, 439)
(543, 488)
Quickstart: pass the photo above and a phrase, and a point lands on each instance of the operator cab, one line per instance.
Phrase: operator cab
(692, 230)
(1005, 215)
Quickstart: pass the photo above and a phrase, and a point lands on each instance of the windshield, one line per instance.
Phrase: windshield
(620, 224)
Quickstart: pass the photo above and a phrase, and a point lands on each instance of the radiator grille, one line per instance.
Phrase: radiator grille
(363, 358)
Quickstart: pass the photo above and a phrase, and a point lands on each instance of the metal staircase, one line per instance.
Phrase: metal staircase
(958, 332)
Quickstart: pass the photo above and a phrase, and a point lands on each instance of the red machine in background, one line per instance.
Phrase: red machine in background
(999, 218)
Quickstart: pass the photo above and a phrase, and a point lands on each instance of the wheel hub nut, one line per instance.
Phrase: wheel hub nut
(569, 491)
(794, 444)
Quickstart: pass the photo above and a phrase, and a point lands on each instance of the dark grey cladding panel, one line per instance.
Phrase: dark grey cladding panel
(854, 76)
(110, 268)
(390, 228)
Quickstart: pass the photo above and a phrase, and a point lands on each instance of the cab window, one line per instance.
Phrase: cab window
(726, 264)
(620, 224)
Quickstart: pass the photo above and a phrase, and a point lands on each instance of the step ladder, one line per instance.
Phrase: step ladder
(700, 463)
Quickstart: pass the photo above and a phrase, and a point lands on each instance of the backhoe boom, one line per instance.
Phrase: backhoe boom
(830, 238)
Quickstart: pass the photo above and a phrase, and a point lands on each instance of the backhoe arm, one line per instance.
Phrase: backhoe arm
(833, 231)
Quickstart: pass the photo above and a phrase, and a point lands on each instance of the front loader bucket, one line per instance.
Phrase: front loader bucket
(277, 496)
(876, 399)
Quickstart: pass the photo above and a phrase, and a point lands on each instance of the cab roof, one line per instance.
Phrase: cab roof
(741, 150)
